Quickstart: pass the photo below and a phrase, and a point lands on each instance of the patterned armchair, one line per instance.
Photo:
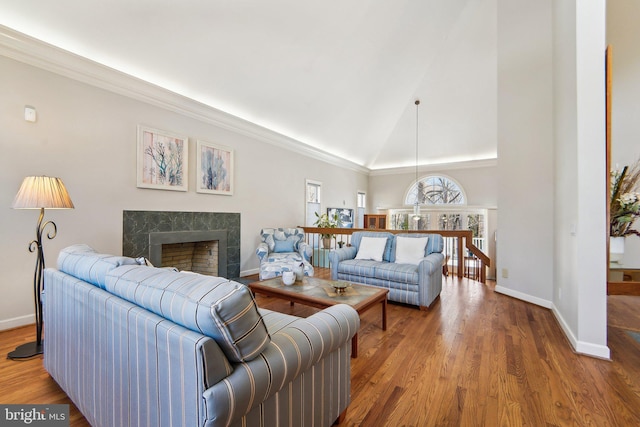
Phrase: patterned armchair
(282, 249)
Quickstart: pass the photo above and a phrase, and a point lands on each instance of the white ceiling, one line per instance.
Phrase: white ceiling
(341, 76)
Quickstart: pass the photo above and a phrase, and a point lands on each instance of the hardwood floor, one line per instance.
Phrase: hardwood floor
(477, 358)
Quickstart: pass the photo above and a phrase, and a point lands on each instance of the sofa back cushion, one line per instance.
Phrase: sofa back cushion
(356, 239)
(83, 262)
(214, 306)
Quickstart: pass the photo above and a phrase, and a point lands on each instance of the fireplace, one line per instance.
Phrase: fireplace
(199, 257)
(202, 252)
(151, 233)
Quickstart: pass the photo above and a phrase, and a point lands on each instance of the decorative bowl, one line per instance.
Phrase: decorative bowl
(340, 287)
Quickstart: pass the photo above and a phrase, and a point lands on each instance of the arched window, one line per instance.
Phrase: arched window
(435, 190)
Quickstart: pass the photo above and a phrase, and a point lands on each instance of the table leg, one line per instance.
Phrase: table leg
(354, 346)
(384, 314)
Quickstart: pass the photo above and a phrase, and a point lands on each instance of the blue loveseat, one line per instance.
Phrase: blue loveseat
(417, 281)
(133, 345)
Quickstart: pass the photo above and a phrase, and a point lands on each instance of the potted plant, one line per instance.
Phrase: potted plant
(326, 221)
(624, 208)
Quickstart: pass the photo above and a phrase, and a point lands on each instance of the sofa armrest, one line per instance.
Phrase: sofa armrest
(305, 250)
(293, 350)
(262, 250)
(431, 263)
(340, 254)
(430, 278)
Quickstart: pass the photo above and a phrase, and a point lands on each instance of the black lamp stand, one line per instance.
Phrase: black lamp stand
(31, 349)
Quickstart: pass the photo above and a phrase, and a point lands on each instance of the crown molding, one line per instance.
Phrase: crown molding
(31, 51)
(468, 164)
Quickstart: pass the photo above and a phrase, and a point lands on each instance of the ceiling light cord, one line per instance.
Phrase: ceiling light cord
(416, 207)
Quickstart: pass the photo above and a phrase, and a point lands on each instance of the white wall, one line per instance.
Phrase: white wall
(551, 162)
(87, 136)
(623, 33)
(580, 292)
(566, 129)
(591, 190)
(525, 151)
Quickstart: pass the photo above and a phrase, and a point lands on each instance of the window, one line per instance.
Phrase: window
(404, 220)
(362, 205)
(313, 201)
(435, 190)
(450, 221)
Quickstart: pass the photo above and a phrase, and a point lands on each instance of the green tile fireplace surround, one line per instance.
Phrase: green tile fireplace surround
(139, 228)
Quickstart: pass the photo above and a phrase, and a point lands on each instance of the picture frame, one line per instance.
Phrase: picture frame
(345, 215)
(215, 169)
(162, 160)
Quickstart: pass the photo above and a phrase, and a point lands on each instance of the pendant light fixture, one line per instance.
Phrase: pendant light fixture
(416, 206)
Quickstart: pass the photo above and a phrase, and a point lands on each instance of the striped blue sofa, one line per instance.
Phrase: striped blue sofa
(133, 345)
(418, 284)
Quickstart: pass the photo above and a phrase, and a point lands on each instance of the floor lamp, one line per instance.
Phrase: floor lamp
(39, 192)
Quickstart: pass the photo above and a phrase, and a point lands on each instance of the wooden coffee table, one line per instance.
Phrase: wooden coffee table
(320, 293)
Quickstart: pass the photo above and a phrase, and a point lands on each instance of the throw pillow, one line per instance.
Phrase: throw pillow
(371, 248)
(283, 246)
(410, 250)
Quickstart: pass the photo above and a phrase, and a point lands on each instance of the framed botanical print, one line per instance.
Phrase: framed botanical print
(215, 169)
(162, 159)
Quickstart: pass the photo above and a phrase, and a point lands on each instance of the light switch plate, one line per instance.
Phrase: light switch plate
(29, 114)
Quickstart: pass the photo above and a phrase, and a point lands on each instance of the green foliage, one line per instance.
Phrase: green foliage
(625, 201)
(326, 221)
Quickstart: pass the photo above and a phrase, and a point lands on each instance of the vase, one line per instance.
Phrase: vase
(326, 242)
(299, 272)
(288, 278)
(616, 249)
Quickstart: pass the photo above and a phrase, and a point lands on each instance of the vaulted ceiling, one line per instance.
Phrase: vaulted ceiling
(340, 76)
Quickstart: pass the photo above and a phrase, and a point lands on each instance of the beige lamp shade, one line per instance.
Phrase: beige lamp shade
(38, 192)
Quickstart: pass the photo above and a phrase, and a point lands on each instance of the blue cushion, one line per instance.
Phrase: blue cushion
(283, 246)
(83, 262)
(358, 267)
(403, 273)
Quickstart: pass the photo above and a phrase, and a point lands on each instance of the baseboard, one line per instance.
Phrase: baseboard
(593, 350)
(16, 322)
(581, 347)
(249, 272)
(524, 297)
